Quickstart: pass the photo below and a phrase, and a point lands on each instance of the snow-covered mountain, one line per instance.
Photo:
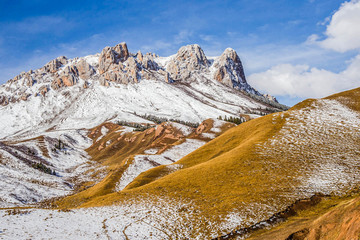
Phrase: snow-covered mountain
(48, 114)
(93, 125)
(118, 85)
(94, 133)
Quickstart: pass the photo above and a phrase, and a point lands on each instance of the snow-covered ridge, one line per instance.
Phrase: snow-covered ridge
(23, 166)
(115, 84)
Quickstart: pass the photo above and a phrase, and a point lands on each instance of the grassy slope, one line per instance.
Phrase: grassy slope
(221, 176)
(349, 98)
(229, 175)
(118, 155)
(332, 218)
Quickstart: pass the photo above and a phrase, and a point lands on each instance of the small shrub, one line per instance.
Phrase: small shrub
(236, 120)
(43, 168)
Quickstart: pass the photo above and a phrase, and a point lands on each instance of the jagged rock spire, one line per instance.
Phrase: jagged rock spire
(231, 72)
(112, 55)
(188, 58)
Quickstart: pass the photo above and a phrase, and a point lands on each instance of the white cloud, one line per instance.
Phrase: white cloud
(156, 45)
(343, 31)
(303, 81)
(207, 38)
(183, 36)
(39, 24)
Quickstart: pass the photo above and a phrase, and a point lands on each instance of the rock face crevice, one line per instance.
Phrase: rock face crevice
(116, 65)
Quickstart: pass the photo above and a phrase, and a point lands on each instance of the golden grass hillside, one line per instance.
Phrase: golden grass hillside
(263, 165)
(333, 218)
(115, 147)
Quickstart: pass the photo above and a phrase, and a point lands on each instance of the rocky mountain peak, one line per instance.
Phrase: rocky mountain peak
(116, 65)
(112, 55)
(229, 70)
(230, 55)
(193, 54)
(189, 58)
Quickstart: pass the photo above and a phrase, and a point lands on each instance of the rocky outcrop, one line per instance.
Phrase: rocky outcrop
(271, 98)
(103, 82)
(111, 56)
(116, 65)
(43, 90)
(149, 63)
(25, 96)
(85, 70)
(168, 78)
(4, 100)
(55, 64)
(57, 84)
(130, 76)
(67, 78)
(230, 70)
(106, 59)
(122, 51)
(18, 77)
(139, 56)
(188, 59)
(29, 81)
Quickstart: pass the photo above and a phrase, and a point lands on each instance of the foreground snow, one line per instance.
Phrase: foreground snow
(20, 183)
(154, 219)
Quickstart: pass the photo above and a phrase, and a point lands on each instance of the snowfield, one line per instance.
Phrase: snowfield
(87, 108)
(22, 184)
(144, 219)
(142, 163)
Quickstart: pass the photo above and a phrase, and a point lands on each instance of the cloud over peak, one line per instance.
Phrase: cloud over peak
(304, 82)
(343, 31)
(342, 35)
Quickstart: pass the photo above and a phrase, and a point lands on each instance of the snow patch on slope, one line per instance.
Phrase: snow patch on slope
(324, 140)
(21, 184)
(142, 163)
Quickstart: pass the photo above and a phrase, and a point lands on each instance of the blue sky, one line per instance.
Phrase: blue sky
(273, 38)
